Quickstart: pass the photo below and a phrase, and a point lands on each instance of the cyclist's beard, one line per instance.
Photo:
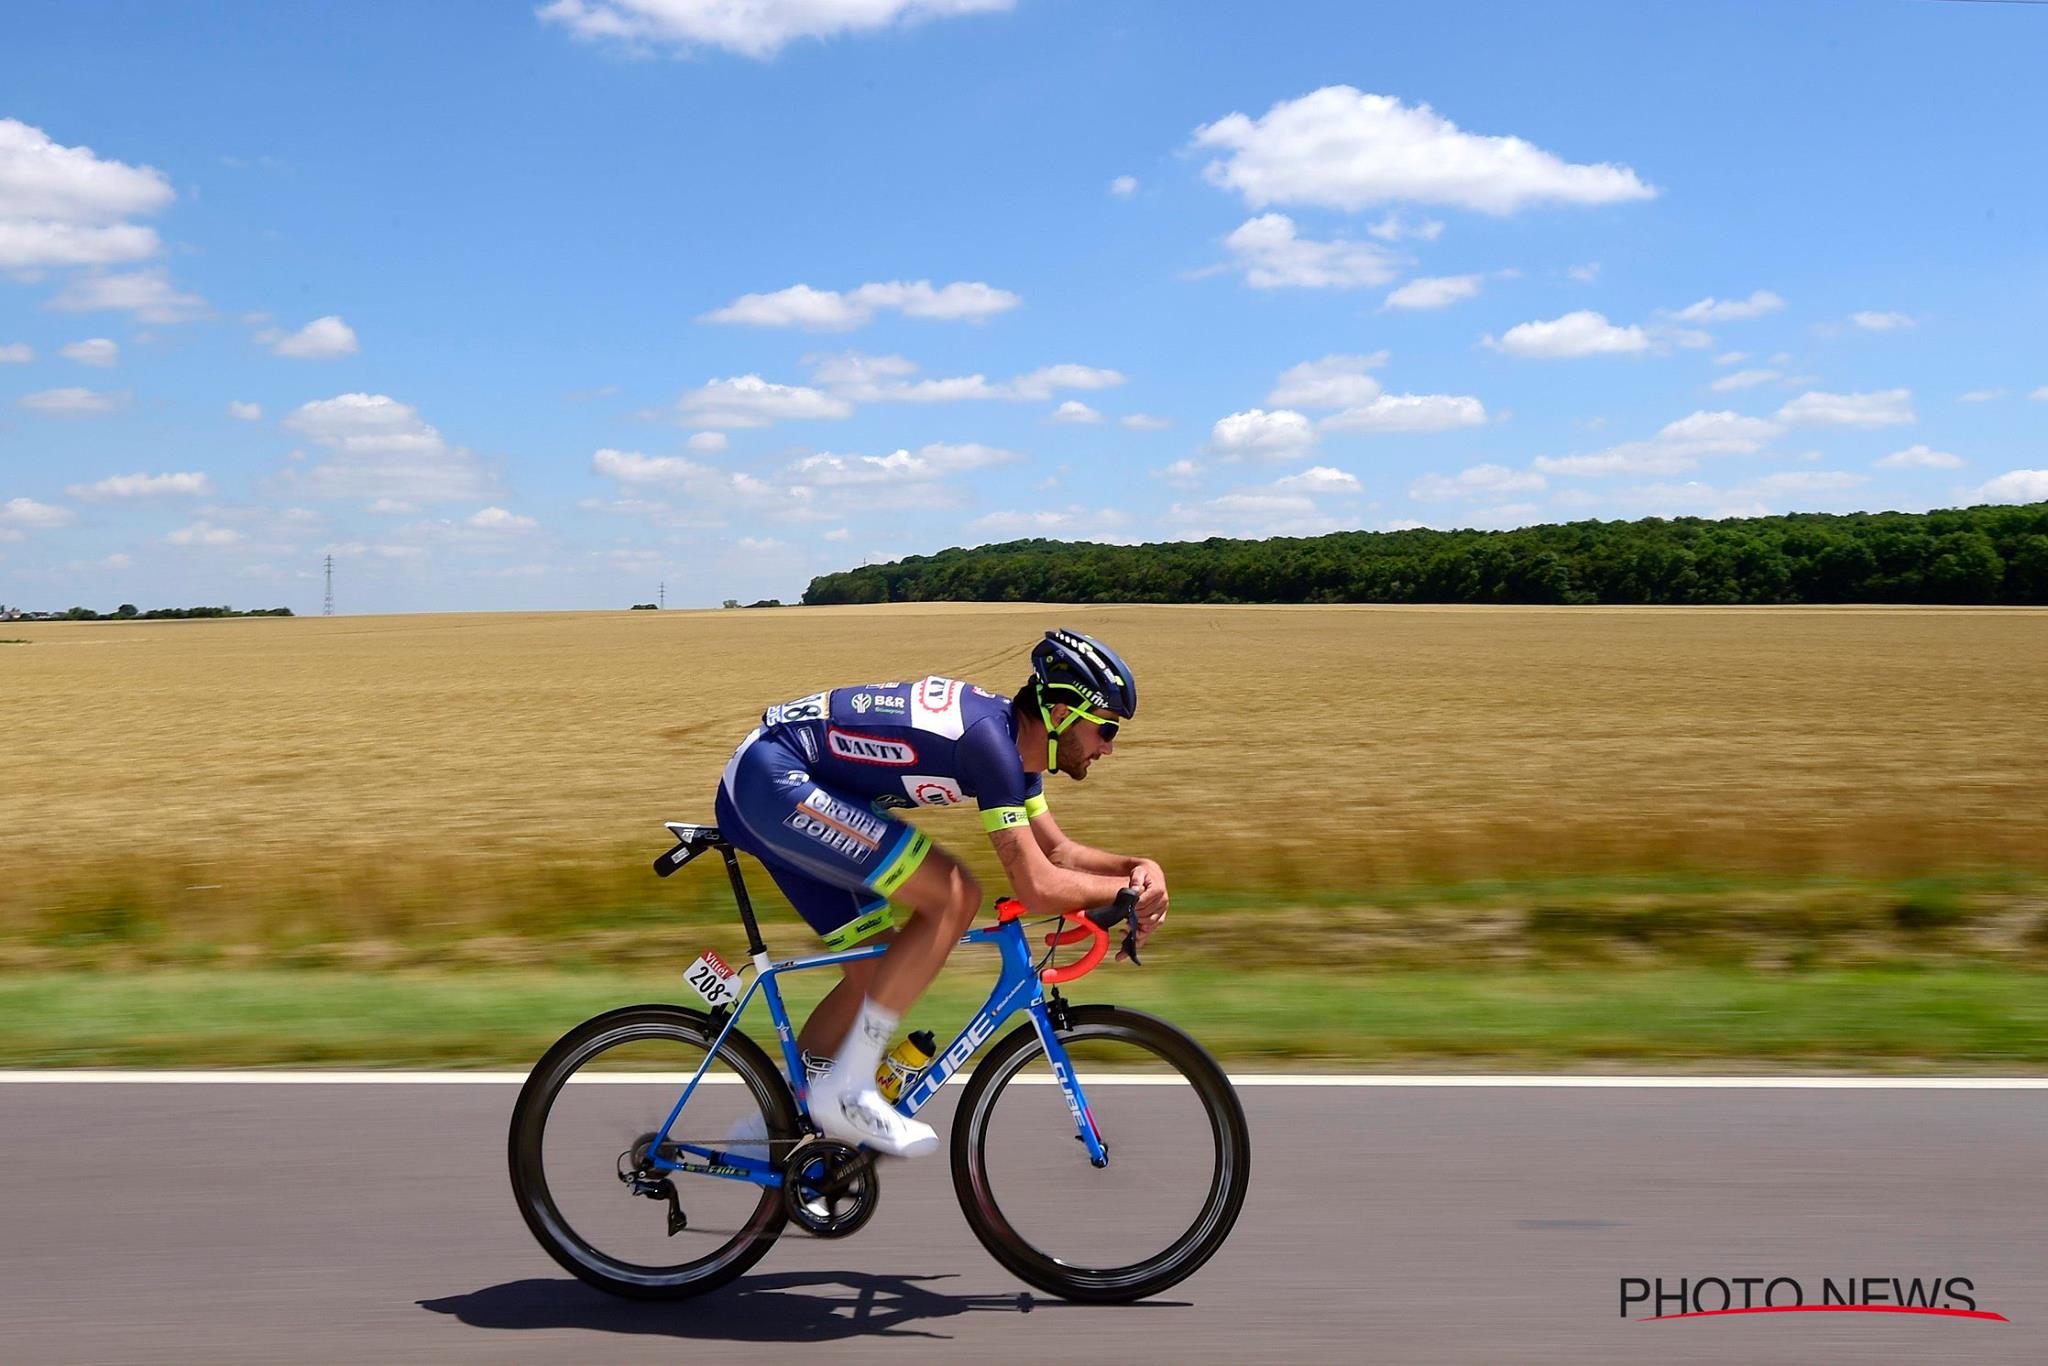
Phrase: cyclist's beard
(1071, 763)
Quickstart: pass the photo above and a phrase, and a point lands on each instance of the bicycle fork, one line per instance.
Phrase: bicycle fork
(1043, 1018)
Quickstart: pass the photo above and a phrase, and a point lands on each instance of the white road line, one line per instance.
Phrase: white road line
(258, 1077)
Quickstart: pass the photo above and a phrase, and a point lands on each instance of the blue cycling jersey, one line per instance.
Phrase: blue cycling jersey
(935, 742)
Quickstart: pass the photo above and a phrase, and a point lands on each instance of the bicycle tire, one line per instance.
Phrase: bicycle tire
(1137, 1280)
(529, 1179)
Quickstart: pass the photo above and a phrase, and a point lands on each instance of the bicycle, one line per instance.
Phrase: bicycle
(768, 1166)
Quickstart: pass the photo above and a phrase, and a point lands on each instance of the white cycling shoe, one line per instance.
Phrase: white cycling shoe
(859, 1117)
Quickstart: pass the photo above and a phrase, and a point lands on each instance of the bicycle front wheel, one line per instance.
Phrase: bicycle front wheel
(1179, 1158)
(586, 1119)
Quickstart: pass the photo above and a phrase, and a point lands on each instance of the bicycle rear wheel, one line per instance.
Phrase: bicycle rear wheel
(591, 1109)
(1179, 1158)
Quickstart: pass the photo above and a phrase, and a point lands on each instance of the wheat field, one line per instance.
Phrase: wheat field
(437, 769)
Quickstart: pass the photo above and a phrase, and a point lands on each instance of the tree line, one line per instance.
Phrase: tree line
(1979, 555)
(128, 611)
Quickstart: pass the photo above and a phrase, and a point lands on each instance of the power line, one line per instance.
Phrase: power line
(328, 610)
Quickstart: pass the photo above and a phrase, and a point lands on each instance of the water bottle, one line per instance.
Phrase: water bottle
(904, 1062)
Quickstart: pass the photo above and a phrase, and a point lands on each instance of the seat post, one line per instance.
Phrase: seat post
(739, 894)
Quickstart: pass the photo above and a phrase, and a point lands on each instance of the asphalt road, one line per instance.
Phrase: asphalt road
(158, 1223)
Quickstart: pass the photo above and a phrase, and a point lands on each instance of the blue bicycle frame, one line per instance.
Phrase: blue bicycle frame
(1017, 989)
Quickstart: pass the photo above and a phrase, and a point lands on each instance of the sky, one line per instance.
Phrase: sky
(570, 306)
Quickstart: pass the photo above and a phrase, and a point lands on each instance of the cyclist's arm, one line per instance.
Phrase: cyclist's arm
(1142, 873)
(1044, 887)
(1064, 852)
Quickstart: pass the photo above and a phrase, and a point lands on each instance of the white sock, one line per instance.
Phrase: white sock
(861, 1053)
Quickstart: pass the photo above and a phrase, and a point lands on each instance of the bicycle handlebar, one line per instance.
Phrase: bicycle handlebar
(1096, 925)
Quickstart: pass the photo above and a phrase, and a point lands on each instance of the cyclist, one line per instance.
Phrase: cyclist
(810, 794)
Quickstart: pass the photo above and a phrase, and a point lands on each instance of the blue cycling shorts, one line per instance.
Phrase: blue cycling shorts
(834, 857)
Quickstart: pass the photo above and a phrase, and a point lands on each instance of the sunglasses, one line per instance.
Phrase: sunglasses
(1107, 725)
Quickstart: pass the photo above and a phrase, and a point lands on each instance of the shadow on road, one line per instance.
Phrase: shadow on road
(804, 1306)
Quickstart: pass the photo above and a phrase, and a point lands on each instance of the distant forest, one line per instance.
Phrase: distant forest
(1981, 555)
(128, 611)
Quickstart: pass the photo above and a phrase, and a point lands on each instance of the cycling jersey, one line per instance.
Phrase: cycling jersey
(935, 742)
(810, 792)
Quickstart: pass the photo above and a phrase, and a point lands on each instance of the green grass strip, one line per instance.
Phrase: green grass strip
(1969, 1019)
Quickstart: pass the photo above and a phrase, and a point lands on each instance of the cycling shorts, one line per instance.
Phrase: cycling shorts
(834, 857)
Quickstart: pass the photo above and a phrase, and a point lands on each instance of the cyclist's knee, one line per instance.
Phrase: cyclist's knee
(944, 890)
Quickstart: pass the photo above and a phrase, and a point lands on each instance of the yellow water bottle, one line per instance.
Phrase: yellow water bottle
(904, 1062)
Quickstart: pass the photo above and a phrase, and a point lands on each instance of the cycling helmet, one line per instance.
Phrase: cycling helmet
(1069, 667)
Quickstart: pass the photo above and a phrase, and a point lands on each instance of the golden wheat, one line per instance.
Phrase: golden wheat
(1292, 747)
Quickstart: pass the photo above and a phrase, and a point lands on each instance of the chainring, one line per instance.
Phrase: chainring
(830, 1188)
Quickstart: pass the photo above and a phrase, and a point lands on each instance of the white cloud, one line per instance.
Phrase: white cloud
(1981, 396)
(825, 310)
(1742, 379)
(1332, 382)
(925, 465)
(1317, 479)
(245, 412)
(1395, 226)
(1712, 310)
(1346, 149)
(204, 533)
(1185, 473)
(63, 206)
(1124, 186)
(1731, 358)
(2040, 393)
(708, 443)
(498, 519)
(1073, 520)
(95, 351)
(1435, 292)
(1884, 408)
(1585, 274)
(1271, 255)
(2014, 486)
(72, 402)
(1285, 507)
(1074, 411)
(16, 353)
(1479, 481)
(322, 339)
(1679, 446)
(148, 294)
(861, 378)
(28, 514)
(1581, 333)
(838, 533)
(1921, 457)
(381, 448)
(1276, 435)
(392, 507)
(750, 401)
(1144, 422)
(750, 28)
(1871, 321)
(1043, 382)
(144, 486)
(704, 491)
(1409, 413)
(1797, 483)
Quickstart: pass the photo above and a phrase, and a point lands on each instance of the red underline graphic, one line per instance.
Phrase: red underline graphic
(1836, 1309)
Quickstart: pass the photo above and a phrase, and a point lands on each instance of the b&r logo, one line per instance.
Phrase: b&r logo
(1710, 1296)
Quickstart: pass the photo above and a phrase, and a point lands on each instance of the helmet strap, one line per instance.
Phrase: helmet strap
(1052, 732)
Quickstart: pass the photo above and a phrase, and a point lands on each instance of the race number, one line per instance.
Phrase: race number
(710, 978)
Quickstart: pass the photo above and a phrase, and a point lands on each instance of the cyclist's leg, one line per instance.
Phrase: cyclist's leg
(775, 811)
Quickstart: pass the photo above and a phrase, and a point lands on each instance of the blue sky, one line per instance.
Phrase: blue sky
(508, 307)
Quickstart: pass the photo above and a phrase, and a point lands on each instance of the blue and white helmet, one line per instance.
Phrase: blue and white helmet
(1085, 667)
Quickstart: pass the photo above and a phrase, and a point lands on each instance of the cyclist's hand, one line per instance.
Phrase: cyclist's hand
(1150, 882)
